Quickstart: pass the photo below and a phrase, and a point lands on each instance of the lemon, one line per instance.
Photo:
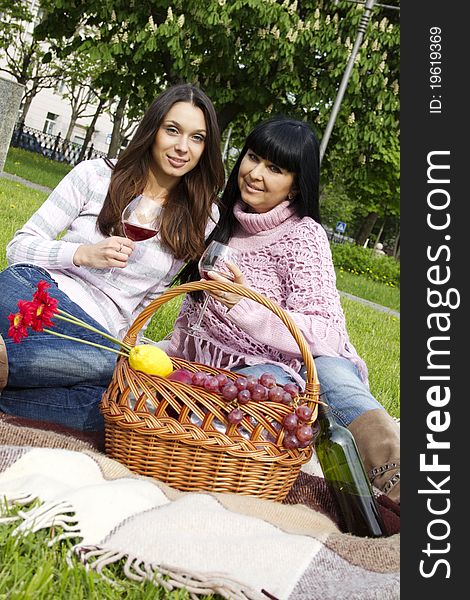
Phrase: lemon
(150, 360)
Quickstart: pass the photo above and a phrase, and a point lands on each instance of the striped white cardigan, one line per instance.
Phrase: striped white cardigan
(73, 207)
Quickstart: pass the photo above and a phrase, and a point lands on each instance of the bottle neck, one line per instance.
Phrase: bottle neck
(326, 417)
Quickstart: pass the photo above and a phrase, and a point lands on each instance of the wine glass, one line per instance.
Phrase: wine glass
(215, 258)
(140, 221)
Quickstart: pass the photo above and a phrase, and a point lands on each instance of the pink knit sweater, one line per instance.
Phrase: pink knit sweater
(288, 260)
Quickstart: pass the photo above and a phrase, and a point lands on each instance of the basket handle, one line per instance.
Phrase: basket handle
(312, 384)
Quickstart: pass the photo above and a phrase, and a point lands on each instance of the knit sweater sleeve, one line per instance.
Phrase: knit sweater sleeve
(310, 298)
(36, 241)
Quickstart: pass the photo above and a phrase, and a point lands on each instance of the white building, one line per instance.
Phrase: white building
(50, 112)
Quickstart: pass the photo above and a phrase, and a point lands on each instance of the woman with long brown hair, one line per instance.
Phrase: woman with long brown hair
(96, 272)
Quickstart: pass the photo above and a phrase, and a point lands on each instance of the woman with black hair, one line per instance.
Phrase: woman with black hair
(174, 162)
(270, 215)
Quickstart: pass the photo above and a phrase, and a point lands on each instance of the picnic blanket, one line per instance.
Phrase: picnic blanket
(240, 547)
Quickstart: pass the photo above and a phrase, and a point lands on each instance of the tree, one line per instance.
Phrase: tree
(363, 154)
(116, 138)
(123, 126)
(13, 14)
(255, 58)
(23, 55)
(91, 128)
(78, 88)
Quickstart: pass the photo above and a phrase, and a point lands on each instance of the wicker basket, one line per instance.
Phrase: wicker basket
(148, 423)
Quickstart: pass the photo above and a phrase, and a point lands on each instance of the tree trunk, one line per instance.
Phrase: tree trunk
(27, 103)
(116, 138)
(381, 230)
(366, 228)
(91, 129)
(73, 120)
(396, 247)
(79, 100)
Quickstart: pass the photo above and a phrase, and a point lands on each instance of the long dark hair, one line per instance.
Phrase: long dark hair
(288, 143)
(188, 206)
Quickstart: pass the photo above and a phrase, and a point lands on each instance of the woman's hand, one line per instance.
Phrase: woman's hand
(228, 299)
(107, 254)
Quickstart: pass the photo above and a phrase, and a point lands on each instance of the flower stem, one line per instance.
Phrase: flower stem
(74, 339)
(65, 316)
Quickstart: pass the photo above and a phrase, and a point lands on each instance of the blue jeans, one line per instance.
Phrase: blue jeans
(340, 386)
(50, 378)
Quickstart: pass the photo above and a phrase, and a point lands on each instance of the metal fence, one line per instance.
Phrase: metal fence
(51, 146)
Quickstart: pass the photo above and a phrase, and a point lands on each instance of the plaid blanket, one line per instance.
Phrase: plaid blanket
(240, 547)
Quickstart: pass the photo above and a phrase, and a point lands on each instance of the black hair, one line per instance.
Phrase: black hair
(291, 145)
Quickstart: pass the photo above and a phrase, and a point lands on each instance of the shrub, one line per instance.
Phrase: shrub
(363, 261)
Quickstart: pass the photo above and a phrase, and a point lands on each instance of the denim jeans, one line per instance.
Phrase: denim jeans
(340, 386)
(51, 378)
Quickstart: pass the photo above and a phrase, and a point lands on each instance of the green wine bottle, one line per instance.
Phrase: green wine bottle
(346, 477)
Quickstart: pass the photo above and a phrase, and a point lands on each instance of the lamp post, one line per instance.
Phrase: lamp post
(369, 5)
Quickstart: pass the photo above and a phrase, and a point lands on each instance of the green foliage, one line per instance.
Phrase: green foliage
(21, 56)
(12, 15)
(362, 261)
(255, 58)
(335, 205)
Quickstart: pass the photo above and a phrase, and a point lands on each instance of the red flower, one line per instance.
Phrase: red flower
(44, 307)
(20, 321)
(40, 292)
(37, 314)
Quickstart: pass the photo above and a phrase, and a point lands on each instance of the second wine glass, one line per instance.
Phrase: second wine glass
(215, 258)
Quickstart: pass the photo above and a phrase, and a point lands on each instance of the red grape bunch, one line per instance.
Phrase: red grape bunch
(244, 389)
(299, 433)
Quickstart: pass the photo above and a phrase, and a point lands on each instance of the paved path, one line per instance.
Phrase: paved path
(35, 186)
(373, 305)
(43, 188)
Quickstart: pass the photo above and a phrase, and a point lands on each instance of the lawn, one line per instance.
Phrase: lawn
(362, 287)
(17, 202)
(34, 167)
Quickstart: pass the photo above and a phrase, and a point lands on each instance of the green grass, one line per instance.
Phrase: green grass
(29, 569)
(363, 287)
(34, 167)
(376, 337)
(17, 203)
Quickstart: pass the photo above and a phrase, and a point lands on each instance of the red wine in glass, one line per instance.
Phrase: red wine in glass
(138, 233)
(140, 222)
(205, 274)
(214, 259)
